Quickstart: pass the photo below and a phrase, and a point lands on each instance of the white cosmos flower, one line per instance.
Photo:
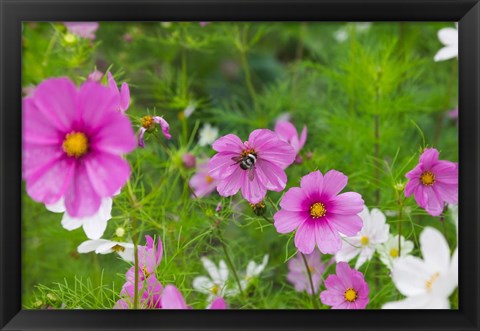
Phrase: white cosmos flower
(449, 38)
(427, 283)
(103, 246)
(208, 134)
(217, 284)
(389, 251)
(373, 233)
(253, 271)
(94, 226)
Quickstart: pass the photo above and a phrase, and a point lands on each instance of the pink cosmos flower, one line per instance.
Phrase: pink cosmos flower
(82, 29)
(73, 142)
(95, 76)
(319, 213)
(433, 182)
(189, 160)
(148, 125)
(254, 166)
(298, 275)
(345, 290)
(202, 24)
(287, 132)
(149, 290)
(201, 183)
(453, 114)
(123, 93)
(218, 303)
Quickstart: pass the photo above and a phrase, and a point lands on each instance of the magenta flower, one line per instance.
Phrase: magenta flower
(254, 166)
(453, 114)
(189, 160)
(319, 213)
(202, 24)
(201, 183)
(148, 125)
(433, 182)
(73, 145)
(218, 303)
(298, 275)
(345, 290)
(149, 290)
(82, 29)
(150, 256)
(287, 132)
(123, 93)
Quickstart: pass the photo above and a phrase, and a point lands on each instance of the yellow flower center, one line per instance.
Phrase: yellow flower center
(364, 240)
(75, 144)
(350, 295)
(394, 252)
(427, 178)
(208, 179)
(145, 272)
(432, 280)
(147, 121)
(215, 289)
(118, 248)
(245, 152)
(317, 210)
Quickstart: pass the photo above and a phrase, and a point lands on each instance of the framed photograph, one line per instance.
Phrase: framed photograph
(240, 165)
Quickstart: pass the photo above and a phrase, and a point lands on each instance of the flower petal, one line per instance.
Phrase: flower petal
(172, 298)
(229, 144)
(305, 237)
(287, 221)
(435, 250)
(80, 198)
(107, 172)
(333, 182)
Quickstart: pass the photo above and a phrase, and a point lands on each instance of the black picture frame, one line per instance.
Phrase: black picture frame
(13, 12)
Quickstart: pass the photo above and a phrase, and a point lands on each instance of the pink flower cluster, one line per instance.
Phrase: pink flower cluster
(151, 293)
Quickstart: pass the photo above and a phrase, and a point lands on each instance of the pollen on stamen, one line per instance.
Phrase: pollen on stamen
(318, 210)
(427, 178)
(147, 122)
(350, 295)
(429, 283)
(75, 144)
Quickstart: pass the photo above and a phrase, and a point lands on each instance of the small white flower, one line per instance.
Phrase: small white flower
(217, 284)
(341, 35)
(253, 271)
(120, 232)
(208, 134)
(389, 251)
(427, 283)
(449, 38)
(103, 246)
(373, 233)
(94, 226)
(363, 26)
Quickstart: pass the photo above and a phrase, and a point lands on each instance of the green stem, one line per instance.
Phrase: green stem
(400, 219)
(312, 288)
(272, 203)
(133, 201)
(229, 262)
